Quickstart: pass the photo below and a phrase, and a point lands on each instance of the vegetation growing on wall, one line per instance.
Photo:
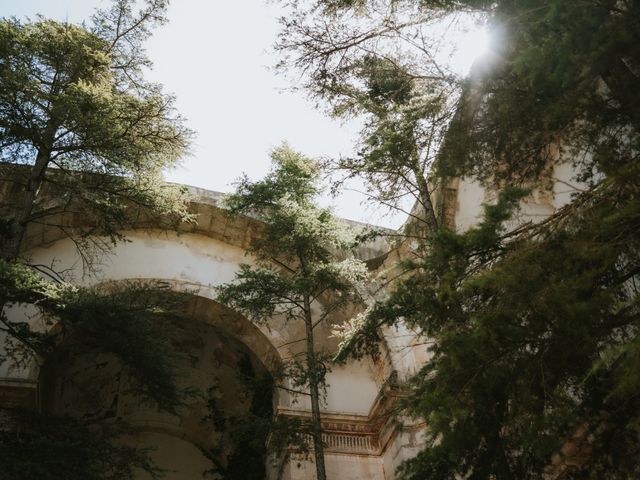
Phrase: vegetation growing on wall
(243, 438)
(77, 321)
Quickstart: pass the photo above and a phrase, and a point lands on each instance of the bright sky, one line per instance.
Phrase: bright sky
(214, 56)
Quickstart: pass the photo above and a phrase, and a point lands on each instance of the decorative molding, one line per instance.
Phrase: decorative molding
(18, 393)
(368, 435)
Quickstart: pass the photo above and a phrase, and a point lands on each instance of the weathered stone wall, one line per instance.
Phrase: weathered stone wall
(195, 260)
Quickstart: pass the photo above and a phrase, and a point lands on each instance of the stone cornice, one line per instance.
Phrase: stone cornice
(353, 434)
(18, 393)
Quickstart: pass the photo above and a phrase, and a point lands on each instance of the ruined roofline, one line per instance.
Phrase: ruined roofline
(216, 199)
(206, 205)
(372, 250)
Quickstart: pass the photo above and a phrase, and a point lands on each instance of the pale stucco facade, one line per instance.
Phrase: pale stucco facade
(363, 442)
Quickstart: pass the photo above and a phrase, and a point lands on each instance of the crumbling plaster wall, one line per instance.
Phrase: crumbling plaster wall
(204, 255)
(552, 191)
(197, 264)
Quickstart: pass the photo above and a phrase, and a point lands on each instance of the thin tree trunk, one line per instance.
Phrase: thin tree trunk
(312, 365)
(25, 203)
(10, 246)
(424, 195)
(623, 84)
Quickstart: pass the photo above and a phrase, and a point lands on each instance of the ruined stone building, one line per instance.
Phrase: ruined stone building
(363, 441)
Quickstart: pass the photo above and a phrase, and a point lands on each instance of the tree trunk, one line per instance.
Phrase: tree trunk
(424, 196)
(312, 365)
(11, 244)
(623, 84)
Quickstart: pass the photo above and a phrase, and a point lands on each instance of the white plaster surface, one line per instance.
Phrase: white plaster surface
(408, 352)
(153, 255)
(404, 446)
(351, 388)
(471, 196)
(565, 184)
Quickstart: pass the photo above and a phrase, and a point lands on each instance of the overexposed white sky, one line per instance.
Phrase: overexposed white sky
(215, 57)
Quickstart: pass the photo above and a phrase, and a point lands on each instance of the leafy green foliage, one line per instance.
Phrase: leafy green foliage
(374, 61)
(246, 442)
(132, 322)
(297, 250)
(241, 448)
(564, 86)
(41, 446)
(84, 139)
(534, 330)
(96, 319)
(142, 313)
(74, 101)
(533, 335)
(297, 265)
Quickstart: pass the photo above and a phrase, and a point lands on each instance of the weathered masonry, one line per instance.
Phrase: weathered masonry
(363, 441)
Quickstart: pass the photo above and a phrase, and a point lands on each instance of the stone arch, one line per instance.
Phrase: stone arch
(202, 307)
(207, 325)
(206, 253)
(194, 263)
(213, 230)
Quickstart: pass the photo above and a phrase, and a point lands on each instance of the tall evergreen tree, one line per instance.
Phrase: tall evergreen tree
(296, 274)
(371, 62)
(534, 330)
(78, 118)
(83, 136)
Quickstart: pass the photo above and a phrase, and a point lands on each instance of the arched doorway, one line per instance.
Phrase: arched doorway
(219, 429)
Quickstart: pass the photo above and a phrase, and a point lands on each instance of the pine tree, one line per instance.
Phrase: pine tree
(83, 135)
(297, 272)
(534, 331)
(78, 118)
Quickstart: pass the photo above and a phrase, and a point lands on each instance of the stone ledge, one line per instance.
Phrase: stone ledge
(18, 393)
(354, 434)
